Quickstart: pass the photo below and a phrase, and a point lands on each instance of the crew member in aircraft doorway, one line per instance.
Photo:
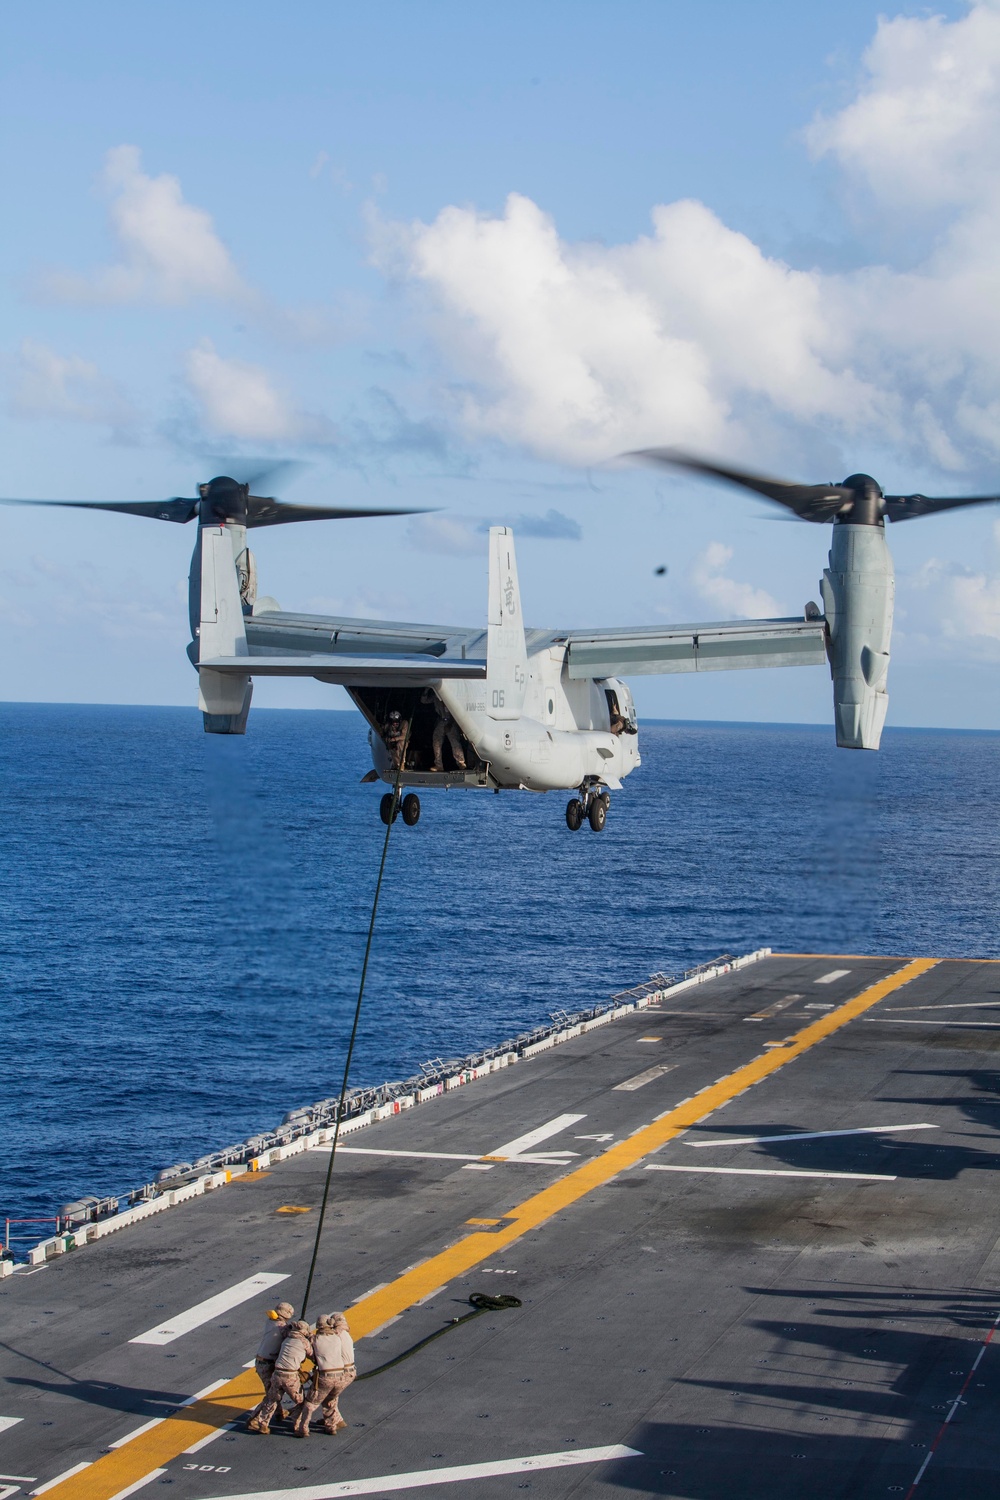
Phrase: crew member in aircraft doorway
(395, 735)
(445, 726)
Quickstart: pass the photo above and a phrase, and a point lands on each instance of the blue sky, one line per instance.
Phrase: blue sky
(460, 256)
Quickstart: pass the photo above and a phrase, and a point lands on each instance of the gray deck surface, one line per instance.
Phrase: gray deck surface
(749, 1336)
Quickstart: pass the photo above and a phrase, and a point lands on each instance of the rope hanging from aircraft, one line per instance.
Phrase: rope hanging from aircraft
(354, 1029)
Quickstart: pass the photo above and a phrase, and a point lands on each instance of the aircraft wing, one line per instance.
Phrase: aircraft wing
(288, 633)
(349, 670)
(723, 647)
(356, 651)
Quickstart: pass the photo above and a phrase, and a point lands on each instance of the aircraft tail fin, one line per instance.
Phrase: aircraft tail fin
(506, 653)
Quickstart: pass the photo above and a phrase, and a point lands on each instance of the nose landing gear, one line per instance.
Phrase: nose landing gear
(592, 804)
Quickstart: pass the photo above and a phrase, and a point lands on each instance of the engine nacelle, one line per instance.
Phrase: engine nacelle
(858, 590)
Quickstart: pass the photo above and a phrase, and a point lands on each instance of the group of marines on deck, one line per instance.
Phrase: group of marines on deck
(283, 1351)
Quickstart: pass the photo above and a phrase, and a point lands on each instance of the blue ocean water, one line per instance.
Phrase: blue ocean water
(183, 916)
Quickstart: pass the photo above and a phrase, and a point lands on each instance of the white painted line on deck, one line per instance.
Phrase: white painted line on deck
(140, 1484)
(212, 1307)
(897, 1021)
(422, 1155)
(963, 1005)
(6, 1422)
(18, 1478)
(139, 1431)
(773, 1172)
(210, 1437)
(385, 1483)
(555, 1158)
(833, 974)
(66, 1474)
(809, 1135)
(524, 1143)
(155, 1421)
(631, 1084)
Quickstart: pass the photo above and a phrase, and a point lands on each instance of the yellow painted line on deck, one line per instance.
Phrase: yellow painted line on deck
(113, 1472)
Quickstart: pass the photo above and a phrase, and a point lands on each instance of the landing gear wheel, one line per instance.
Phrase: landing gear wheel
(411, 809)
(606, 799)
(574, 814)
(598, 814)
(386, 811)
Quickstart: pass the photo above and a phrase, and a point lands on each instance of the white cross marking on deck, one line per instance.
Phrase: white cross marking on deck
(809, 1135)
(631, 1084)
(524, 1143)
(833, 974)
(212, 1307)
(782, 1004)
(384, 1483)
(773, 1172)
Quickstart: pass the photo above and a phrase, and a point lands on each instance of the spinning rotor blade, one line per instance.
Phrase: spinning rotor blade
(908, 507)
(266, 511)
(810, 502)
(859, 498)
(176, 509)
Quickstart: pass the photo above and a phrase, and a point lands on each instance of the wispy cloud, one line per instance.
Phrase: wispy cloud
(48, 386)
(956, 604)
(170, 253)
(456, 536)
(553, 526)
(169, 250)
(463, 536)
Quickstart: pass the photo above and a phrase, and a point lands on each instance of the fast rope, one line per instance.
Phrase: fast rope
(354, 1028)
(481, 1303)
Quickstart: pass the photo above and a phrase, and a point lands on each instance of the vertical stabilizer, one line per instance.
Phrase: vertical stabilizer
(506, 655)
(223, 697)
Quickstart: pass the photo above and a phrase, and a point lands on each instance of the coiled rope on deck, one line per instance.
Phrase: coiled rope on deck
(481, 1303)
(354, 1028)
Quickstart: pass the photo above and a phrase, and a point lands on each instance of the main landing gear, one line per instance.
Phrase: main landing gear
(409, 807)
(591, 804)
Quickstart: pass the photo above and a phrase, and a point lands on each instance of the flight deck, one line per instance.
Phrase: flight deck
(752, 1227)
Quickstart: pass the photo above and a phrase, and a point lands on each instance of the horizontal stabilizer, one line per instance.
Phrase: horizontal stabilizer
(354, 671)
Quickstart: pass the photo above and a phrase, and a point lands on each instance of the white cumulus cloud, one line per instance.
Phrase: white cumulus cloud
(169, 250)
(238, 399)
(692, 334)
(924, 129)
(728, 596)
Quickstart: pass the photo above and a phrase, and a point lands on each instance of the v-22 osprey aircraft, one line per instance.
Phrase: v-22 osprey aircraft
(505, 707)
